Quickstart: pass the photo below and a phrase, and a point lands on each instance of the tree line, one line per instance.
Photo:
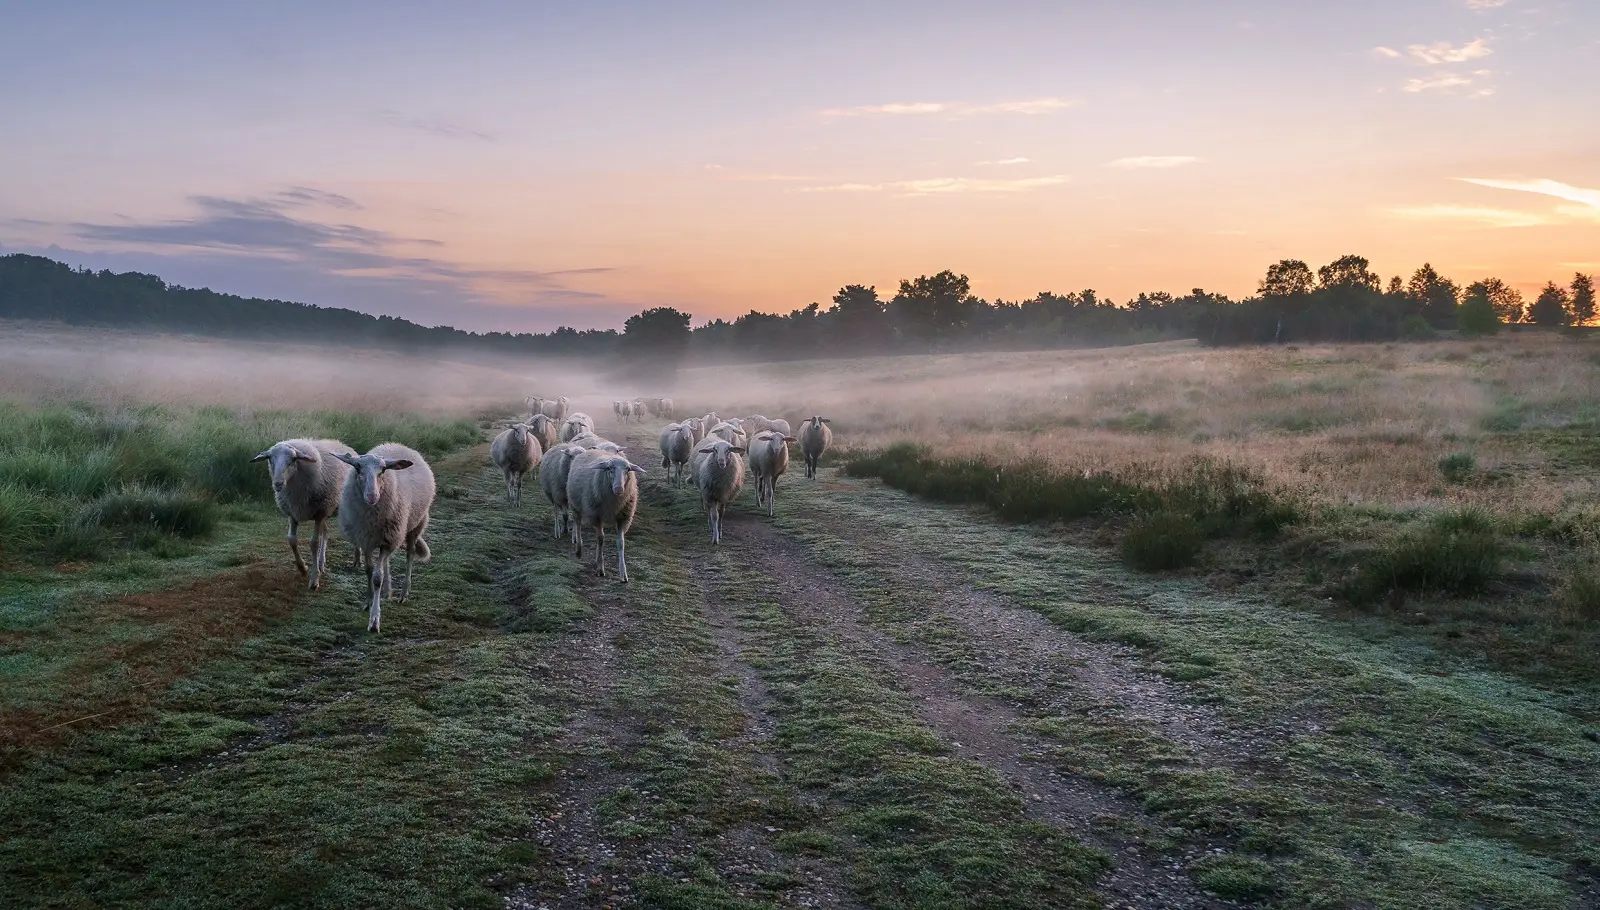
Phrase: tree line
(1344, 300)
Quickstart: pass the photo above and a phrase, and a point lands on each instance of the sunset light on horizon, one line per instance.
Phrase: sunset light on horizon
(518, 167)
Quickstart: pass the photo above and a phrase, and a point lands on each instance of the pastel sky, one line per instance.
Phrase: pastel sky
(522, 165)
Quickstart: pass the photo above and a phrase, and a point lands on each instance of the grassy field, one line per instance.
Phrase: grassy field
(970, 692)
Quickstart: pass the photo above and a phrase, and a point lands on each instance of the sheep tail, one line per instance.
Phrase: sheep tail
(420, 551)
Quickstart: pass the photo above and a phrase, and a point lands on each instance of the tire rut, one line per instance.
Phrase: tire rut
(982, 729)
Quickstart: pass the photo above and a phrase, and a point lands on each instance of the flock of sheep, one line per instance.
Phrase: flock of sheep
(382, 498)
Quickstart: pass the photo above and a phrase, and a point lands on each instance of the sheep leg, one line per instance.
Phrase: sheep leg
(411, 561)
(600, 547)
(772, 489)
(385, 557)
(377, 583)
(577, 540)
(711, 515)
(294, 545)
(318, 546)
(561, 525)
(622, 554)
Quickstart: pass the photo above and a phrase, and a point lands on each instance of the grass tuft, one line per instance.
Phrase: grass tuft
(1457, 553)
(1162, 542)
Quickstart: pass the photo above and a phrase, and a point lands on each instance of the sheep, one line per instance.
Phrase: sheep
(697, 427)
(779, 425)
(535, 405)
(383, 508)
(665, 405)
(815, 437)
(601, 489)
(544, 429)
(719, 475)
(729, 432)
(305, 485)
(592, 441)
(755, 424)
(616, 409)
(576, 425)
(515, 452)
(710, 420)
(769, 459)
(554, 408)
(677, 445)
(553, 468)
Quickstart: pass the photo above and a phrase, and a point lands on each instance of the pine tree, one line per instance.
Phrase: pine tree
(1582, 303)
(1551, 307)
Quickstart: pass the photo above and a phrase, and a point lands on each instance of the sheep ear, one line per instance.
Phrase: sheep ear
(265, 454)
(826, 420)
(348, 459)
(396, 464)
(790, 439)
(636, 469)
(301, 456)
(737, 450)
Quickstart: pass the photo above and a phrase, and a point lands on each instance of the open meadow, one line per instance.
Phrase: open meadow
(1153, 626)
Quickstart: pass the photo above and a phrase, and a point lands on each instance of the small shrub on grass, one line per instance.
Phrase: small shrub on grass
(1579, 595)
(1458, 553)
(173, 512)
(1234, 877)
(1162, 542)
(1458, 467)
(1415, 328)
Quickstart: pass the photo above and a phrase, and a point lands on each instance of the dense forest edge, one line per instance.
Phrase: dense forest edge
(1342, 301)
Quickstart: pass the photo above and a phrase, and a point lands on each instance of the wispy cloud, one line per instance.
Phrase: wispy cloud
(1542, 186)
(1153, 161)
(280, 229)
(444, 129)
(943, 186)
(1435, 83)
(1445, 52)
(954, 108)
(1003, 162)
(1388, 52)
(1486, 4)
(1486, 217)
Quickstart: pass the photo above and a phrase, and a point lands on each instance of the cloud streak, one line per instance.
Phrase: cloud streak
(1152, 161)
(953, 108)
(443, 129)
(943, 186)
(1544, 187)
(1444, 52)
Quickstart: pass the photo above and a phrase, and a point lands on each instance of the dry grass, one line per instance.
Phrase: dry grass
(1345, 424)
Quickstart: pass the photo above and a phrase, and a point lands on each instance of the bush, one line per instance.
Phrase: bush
(1234, 877)
(1162, 542)
(1458, 553)
(1415, 328)
(1579, 596)
(169, 511)
(1458, 467)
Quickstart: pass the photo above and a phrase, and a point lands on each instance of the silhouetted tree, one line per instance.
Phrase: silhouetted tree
(1477, 315)
(1287, 278)
(934, 307)
(1433, 297)
(1348, 272)
(1506, 299)
(1551, 306)
(1581, 302)
(860, 320)
(654, 343)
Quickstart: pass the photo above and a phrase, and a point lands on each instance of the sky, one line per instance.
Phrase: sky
(518, 166)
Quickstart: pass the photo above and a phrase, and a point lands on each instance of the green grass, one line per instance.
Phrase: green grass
(1384, 767)
(79, 480)
(1458, 553)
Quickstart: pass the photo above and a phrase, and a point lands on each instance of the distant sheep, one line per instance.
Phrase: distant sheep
(553, 468)
(719, 475)
(305, 484)
(576, 425)
(815, 437)
(665, 406)
(697, 427)
(769, 459)
(710, 420)
(602, 490)
(545, 430)
(677, 446)
(515, 452)
(779, 425)
(554, 408)
(754, 424)
(535, 405)
(383, 508)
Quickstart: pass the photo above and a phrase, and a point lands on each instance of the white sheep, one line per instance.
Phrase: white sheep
(710, 420)
(601, 490)
(616, 409)
(555, 408)
(697, 427)
(535, 405)
(719, 475)
(815, 437)
(576, 425)
(779, 425)
(593, 441)
(545, 430)
(677, 445)
(754, 424)
(553, 468)
(666, 406)
(305, 485)
(515, 452)
(729, 432)
(769, 459)
(383, 508)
